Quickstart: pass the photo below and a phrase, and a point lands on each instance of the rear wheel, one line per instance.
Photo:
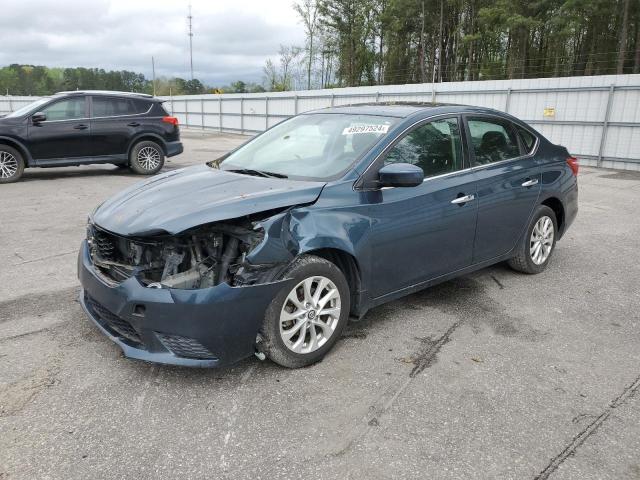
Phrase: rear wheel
(11, 164)
(146, 158)
(538, 243)
(306, 319)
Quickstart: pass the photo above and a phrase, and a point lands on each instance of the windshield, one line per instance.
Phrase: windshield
(316, 146)
(28, 108)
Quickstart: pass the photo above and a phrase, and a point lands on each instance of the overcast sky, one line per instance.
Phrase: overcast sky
(232, 38)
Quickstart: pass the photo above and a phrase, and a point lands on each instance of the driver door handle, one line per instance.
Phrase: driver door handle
(530, 183)
(133, 124)
(465, 199)
(81, 126)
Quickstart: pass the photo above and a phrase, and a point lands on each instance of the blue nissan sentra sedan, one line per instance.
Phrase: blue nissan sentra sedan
(270, 249)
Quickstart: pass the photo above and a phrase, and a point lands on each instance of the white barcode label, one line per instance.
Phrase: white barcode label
(355, 129)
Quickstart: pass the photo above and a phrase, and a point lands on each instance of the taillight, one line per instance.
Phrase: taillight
(171, 120)
(573, 165)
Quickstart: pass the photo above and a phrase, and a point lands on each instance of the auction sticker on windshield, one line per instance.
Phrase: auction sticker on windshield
(354, 129)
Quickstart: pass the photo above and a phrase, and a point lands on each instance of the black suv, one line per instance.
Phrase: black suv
(79, 128)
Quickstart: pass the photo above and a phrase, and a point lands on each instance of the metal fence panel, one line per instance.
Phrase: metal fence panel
(597, 118)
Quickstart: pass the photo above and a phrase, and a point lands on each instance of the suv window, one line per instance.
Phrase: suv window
(113, 107)
(528, 139)
(493, 140)
(436, 147)
(68, 109)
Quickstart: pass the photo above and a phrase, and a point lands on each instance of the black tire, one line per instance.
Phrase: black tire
(137, 161)
(11, 164)
(523, 261)
(271, 342)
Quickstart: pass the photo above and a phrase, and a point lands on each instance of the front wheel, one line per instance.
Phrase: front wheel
(11, 164)
(305, 320)
(535, 250)
(146, 158)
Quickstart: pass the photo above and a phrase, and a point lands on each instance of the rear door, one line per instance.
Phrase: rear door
(508, 183)
(64, 134)
(114, 122)
(423, 232)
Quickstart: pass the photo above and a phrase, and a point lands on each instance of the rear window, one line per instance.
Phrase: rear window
(112, 107)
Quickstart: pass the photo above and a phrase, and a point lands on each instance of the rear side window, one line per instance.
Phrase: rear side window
(68, 109)
(492, 140)
(114, 107)
(528, 139)
(141, 106)
(436, 147)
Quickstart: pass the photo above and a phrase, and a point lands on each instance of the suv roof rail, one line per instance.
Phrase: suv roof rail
(105, 92)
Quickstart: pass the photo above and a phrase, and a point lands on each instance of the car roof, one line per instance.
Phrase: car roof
(403, 109)
(106, 92)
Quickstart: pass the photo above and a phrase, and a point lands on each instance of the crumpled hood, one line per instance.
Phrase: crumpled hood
(178, 200)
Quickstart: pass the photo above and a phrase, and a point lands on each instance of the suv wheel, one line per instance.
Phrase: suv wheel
(538, 243)
(146, 158)
(11, 164)
(304, 322)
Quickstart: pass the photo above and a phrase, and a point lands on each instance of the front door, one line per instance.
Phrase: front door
(420, 233)
(64, 134)
(508, 185)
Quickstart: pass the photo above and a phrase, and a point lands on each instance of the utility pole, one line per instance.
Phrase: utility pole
(190, 18)
(153, 75)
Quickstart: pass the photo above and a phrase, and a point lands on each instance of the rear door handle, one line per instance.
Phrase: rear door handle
(530, 183)
(133, 124)
(81, 126)
(464, 199)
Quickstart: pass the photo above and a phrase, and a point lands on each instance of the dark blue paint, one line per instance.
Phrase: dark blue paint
(402, 239)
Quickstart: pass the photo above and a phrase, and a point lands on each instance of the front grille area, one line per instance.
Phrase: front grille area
(185, 347)
(104, 244)
(112, 321)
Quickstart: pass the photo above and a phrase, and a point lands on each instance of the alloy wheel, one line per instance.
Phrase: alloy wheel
(8, 165)
(541, 241)
(310, 314)
(148, 158)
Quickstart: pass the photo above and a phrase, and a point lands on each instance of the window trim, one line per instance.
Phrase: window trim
(362, 180)
(115, 116)
(66, 119)
(472, 156)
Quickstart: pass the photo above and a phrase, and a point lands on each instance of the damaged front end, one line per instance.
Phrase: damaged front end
(197, 258)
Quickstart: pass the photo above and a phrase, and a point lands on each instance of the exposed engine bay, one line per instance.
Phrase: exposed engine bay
(201, 257)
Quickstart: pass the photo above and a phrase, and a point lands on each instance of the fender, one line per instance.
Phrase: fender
(137, 138)
(30, 162)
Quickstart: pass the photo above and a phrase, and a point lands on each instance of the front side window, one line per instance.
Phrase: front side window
(316, 146)
(492, 140)
(113, 107)
(436, 147)
(68, 109)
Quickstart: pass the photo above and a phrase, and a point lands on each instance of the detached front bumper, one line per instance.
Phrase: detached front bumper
(208, 327)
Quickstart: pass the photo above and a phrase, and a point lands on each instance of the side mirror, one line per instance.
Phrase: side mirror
(400, 175)
(38, 117)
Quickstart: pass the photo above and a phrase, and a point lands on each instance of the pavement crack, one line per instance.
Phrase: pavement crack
(422, 360)
(589, 430)
(44, 258)
(498, 282)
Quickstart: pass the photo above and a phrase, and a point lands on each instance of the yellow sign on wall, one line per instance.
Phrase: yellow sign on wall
(549, 112)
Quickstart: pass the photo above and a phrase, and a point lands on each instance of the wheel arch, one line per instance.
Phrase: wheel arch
(555, 204)
(348, 265)
(10, 142)
(147, 137)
